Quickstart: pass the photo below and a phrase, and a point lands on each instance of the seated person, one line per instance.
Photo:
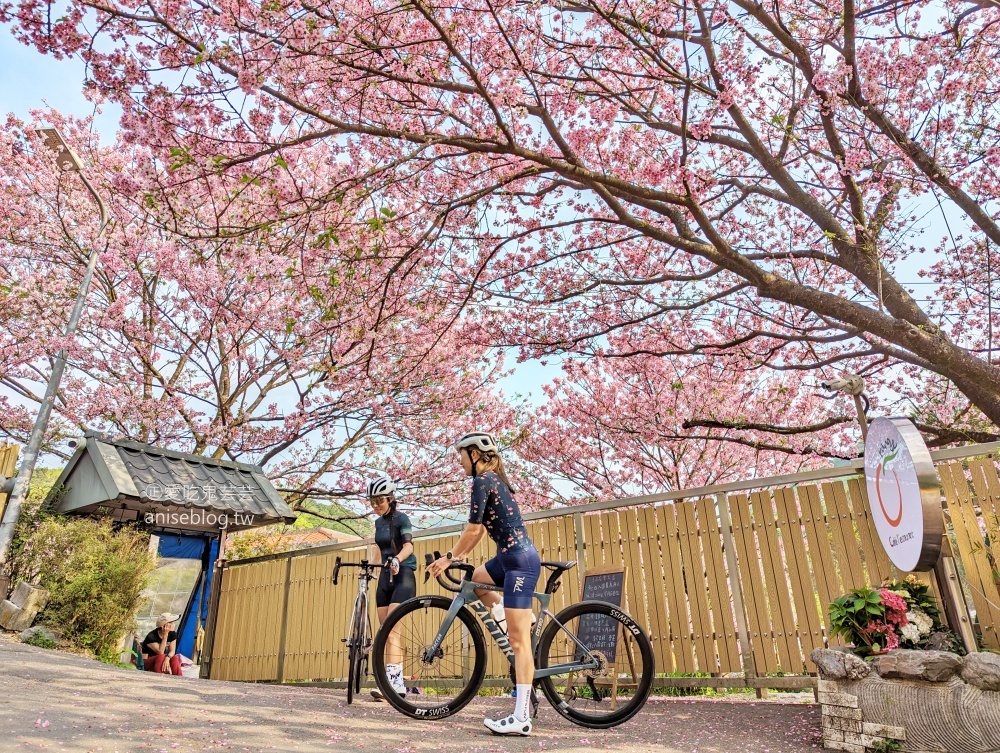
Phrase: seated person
(159, 649)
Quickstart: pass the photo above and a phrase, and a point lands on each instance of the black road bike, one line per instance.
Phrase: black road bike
(359, 641)
(593, 663)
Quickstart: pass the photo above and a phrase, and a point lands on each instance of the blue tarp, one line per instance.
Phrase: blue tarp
(192, 547)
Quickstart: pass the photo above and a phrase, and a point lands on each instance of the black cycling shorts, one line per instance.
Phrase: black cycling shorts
(403, 587)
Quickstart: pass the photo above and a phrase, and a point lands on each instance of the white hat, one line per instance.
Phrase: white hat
(166, 618)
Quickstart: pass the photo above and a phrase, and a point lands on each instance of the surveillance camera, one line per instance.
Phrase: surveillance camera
(850, 384)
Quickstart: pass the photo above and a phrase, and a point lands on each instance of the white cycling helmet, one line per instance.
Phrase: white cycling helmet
(381, 487)
(480, 440)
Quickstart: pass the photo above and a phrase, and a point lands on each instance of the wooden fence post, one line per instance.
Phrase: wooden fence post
(729, 545)
(284, 621)
(581, 562)
(214, 598)
(955, 608)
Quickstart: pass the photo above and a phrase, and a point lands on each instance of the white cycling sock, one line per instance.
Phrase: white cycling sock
(395, 674)
(522, 703)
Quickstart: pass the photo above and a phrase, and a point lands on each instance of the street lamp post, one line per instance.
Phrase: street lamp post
(67, 161)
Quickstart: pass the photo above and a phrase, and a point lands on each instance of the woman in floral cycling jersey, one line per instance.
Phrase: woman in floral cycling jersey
(516, 567)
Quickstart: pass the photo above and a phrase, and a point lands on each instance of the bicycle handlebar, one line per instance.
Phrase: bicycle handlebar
(453, 584)
(363, 564)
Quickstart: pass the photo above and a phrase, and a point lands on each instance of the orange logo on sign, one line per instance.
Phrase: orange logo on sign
(899, 490)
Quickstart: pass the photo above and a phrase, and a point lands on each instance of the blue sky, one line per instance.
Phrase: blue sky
(30, 80)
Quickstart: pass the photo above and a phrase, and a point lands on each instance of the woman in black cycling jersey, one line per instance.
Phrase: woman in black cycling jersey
(515, 567)
(394, 547)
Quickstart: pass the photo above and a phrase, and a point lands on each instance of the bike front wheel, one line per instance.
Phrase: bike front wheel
(614, 691)
(356, 651)
(446, 679)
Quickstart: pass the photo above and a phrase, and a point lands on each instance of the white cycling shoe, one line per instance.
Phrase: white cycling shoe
(377, 694)
(508, 725)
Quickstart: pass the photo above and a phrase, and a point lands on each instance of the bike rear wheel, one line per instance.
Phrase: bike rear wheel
(453, 674)
(356, 649)
(617, 689)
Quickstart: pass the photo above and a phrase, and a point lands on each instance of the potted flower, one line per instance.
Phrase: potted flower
(897, 613)
(869, 619)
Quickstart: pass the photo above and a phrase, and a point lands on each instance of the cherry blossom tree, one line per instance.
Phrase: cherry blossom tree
(642, 425)
(592, 167)
(231, 318)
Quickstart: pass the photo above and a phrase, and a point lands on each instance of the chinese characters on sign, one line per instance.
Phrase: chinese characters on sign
(204, 497)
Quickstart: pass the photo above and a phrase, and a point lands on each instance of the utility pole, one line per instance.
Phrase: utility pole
(68, 162)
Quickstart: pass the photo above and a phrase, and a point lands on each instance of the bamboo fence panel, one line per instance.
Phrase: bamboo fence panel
(796, 548)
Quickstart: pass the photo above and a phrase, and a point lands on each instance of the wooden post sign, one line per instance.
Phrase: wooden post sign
(601, 633)
(598, 632)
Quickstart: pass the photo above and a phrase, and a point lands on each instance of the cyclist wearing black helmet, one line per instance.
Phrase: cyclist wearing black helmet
(393, 546)
(515, 567)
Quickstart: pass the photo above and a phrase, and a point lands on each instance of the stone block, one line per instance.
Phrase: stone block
(845, 746)
(982, 670)
(27, 596)
(839, 699)
(932, 666)
(833, 735)
(834, 664)
(842, 711)
(12, 617)
(884, 730)
(829, 686)
(844, 725)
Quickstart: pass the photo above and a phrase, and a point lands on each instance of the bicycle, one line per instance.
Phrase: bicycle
(359, 642)
(600, 675)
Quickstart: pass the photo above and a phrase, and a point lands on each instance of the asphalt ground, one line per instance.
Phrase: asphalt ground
(55, 701)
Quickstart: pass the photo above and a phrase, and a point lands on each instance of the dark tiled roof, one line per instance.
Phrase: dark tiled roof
(177, 479)
(186, 483)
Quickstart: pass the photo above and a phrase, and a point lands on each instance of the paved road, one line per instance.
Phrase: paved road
(59, 702)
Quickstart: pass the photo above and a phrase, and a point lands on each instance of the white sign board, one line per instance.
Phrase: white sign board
(904, 493)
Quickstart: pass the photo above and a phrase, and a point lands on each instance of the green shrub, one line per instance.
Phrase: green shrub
(94, 571)
(885, 745)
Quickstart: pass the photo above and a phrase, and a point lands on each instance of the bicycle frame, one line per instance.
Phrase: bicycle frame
(362, 597)
(467, 597)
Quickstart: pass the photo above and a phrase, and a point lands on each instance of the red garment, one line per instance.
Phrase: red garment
(154, 663)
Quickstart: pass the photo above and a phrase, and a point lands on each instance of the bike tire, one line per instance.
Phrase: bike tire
(642, 643)
(366, 646)
(437, 607)
(355, 651)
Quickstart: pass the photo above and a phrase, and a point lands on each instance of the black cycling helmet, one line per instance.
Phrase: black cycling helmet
(480, 440)
(381, 487)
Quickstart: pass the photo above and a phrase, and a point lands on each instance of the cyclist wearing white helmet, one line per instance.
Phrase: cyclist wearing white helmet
(394, 547)
(516, 565)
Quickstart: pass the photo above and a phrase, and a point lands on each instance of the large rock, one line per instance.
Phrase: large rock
(982, 670)
(904, 664)
(12, 617)
(834, 664)
(29, 597)
(42, 631)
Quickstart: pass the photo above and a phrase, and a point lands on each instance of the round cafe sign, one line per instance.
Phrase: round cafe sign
(904, 493)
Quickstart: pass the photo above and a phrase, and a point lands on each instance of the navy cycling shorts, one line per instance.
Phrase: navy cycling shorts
(518, 573)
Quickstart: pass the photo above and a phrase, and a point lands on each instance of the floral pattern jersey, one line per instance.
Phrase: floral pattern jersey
(495, 508)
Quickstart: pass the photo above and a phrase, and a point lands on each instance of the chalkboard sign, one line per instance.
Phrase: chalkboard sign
(598, 632)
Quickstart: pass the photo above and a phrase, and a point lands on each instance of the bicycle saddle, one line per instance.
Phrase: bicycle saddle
(559, 566)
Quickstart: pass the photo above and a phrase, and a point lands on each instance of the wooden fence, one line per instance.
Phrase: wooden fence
(8, 465)
(729, 580)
